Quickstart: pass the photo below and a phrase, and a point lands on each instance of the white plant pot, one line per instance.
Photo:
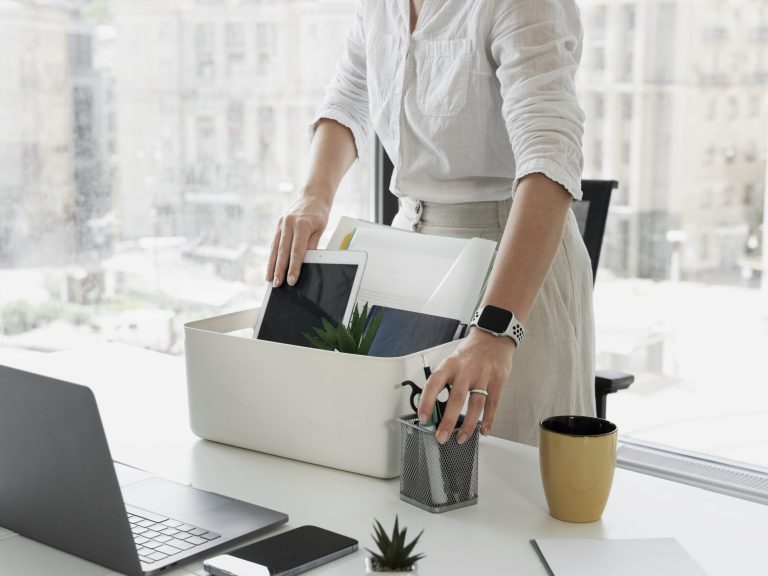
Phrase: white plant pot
(414, 571)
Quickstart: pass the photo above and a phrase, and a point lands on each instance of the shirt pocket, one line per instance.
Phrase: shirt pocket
(381, 60)
(442, 72)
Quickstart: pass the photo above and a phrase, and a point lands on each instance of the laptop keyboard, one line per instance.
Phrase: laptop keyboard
(158, 537)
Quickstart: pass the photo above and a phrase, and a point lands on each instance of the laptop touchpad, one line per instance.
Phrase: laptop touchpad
(166, 497)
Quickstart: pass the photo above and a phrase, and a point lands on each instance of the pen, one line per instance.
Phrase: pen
(437, 475)
(437, 415)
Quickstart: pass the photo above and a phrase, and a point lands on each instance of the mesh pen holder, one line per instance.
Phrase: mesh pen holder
(437, 477)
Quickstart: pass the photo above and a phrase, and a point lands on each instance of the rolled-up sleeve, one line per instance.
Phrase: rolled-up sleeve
(536, 45)
(346, 97)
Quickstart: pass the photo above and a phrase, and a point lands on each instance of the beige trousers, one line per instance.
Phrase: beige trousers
(553, 370)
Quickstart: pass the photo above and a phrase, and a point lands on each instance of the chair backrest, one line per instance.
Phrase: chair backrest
(591, 214)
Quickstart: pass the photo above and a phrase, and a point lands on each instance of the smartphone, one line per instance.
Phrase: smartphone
(285, 554)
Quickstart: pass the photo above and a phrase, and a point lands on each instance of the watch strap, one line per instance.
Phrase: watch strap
(514, 329)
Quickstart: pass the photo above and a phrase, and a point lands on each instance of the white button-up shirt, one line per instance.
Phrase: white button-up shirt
(478, 96)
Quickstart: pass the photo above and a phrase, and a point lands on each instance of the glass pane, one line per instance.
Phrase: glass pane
(682, 292)
(148, 149)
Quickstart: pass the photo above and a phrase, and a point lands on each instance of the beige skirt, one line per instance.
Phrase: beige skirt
(553, 370)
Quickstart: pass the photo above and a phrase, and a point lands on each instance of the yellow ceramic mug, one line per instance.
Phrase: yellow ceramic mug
(577, 455)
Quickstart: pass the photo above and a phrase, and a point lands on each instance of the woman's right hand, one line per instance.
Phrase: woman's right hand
(298, 230)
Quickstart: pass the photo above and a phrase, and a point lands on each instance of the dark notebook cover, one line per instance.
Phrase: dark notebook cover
(402, 332)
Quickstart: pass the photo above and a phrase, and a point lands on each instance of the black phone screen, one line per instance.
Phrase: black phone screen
(303, 546)
(322, 292)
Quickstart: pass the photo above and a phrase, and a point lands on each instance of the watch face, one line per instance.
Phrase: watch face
(494, 319)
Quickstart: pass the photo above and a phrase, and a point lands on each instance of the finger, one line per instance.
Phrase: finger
(314, 240)
(474, 410)
(435, 384)
(489, 410)
(273, 252)
(301, 233)
(453, 409)
(284, 251)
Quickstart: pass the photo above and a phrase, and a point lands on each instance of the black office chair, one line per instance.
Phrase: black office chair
(591, 215)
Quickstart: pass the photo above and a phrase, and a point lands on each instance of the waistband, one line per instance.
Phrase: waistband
(486, 214)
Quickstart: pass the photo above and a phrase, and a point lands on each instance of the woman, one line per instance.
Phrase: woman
(474, 102)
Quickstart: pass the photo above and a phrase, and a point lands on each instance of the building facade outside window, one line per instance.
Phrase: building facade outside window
(148, 149)
(682, 293)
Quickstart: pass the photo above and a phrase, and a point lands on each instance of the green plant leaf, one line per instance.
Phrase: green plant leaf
(317, 342)
(398, 538)
(370, 334)
(364, 316)
(394, 553)
(409, 548)
(328, 333)
(357, 324)
(346, 342)
(382, 541)
(355, 339)
(328, 340)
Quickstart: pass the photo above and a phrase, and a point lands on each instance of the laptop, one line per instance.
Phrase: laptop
(59, 486)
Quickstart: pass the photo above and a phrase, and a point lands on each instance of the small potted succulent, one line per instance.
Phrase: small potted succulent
(394, 555)
(353, 339)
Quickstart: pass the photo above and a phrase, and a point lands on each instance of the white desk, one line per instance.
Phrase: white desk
(142, 398)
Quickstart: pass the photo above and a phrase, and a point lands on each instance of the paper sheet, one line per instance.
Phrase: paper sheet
(436, 275)
(460, 289)
(628, 557)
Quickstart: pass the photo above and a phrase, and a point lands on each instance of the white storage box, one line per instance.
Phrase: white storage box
(328, 408)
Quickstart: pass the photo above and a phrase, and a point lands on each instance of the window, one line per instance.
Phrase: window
(598, 59)
(692, 234)
(205, 44)
(627, 109)
(236, 130)
(598, 156)
(626, 153)
(630, 15)
(206, 139)
(710, 108)
(235, 49)
(598, 22)
(146, 162)
(266, 45)
(664, 27)
(599, 102)
(628, 67)
(749, 195)
(728, 195)
(266, 134)
(709, 156)
(80, 52)
(750, 151)
(729, 153)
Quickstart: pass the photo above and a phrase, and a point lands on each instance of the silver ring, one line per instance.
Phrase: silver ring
(479, 391)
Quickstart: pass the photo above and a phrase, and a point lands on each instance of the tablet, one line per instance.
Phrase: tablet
(327, 289)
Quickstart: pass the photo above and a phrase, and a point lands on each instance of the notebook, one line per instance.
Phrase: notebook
(628, 557)
(402, 332)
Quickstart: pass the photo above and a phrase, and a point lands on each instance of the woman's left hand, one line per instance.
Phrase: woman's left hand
(481, 362)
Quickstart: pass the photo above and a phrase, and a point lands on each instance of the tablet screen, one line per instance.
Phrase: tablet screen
(323, 291)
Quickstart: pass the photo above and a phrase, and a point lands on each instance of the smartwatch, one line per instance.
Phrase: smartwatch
(498, 322)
